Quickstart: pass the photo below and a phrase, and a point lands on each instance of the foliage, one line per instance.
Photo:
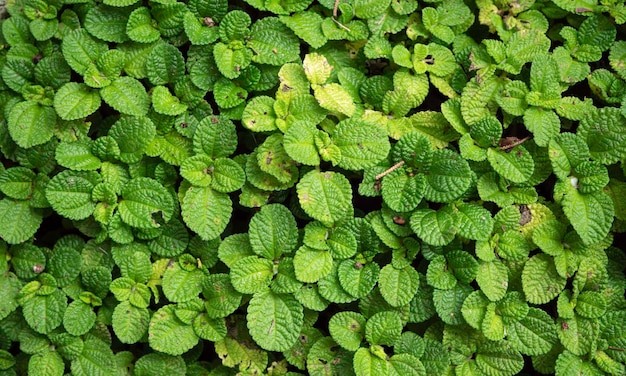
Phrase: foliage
(368, 187)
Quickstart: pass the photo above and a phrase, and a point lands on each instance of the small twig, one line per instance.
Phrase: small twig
(615, 348)
(514, 144)
(389, 170)
(335, 14)
(341, 25)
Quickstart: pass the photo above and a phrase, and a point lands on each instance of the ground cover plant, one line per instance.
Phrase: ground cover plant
(369, 187)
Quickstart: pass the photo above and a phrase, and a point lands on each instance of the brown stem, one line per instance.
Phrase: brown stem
(389, 170)
(615, 348)
(514, 144)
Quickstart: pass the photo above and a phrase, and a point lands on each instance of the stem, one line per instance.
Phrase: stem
(514, 144)
(389, 170)
(615, 348)
(335, 13)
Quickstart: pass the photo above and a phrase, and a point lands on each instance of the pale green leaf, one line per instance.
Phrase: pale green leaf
(31, 124)
(335, 98)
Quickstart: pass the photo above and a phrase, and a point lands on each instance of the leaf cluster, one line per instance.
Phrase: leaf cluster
(351, 187)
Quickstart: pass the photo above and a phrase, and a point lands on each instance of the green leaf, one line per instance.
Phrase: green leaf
(141, 27)
(567, 150)
(493, 279)
(127, 95)
(272, 42)
(231, 60)
(274, 320)
(347, 329)
(433, 227)
(367, 362)
(180, 284)
(448, 303)
(474, 222)
(307, 25)
(169, 335)
(142, 198)
(447, 177)
(215, 136)
(603, 132)
(591, 214)
(198, 31)
(439, 275)
(401, 191)
(9, 289)
(312, 264)
(577, 334)
(221, 298)
(398, 286)
(544, 124)
(132, 135)
(534, 334)
(17, 182)
(251, 274)
(69, 193)
(362, 144)
(273, 231)
(335, 98)
(46, 362)
(96, 359)
(384, 328)
(18, 221)
(76, 101)
(299, 143)
(540, 280)
(227, 175)
(259, 115)
(325, 196)
(80, 50)
(165, 103)
(79, 318)
(76, 156)
(165, 64)
(515, 164)
(497, 358)
(228, 94)
(474, 308)
(107, 23)
(357, 279)
(31, 124)
(168, 364)
(44, 313)
(206, 211)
